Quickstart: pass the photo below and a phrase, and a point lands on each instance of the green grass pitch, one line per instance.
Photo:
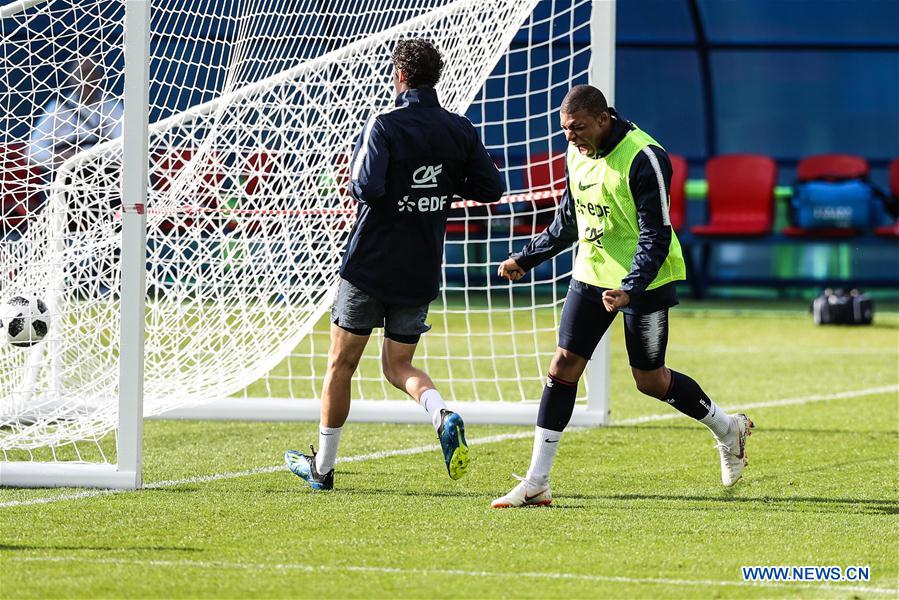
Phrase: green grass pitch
(639, 509)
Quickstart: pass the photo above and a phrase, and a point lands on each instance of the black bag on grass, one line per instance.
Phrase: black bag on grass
(837, 307)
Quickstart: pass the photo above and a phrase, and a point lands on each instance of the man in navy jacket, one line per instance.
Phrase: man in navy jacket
(408, 164)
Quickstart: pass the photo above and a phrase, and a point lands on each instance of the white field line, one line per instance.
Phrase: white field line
(433, 447)
(246, 566)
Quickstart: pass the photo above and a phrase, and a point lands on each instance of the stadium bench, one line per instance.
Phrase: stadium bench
(727, 190)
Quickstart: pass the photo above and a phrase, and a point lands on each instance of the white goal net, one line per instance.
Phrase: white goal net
(254, 107)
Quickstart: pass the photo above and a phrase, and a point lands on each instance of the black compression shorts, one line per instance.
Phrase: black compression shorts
(585, 320)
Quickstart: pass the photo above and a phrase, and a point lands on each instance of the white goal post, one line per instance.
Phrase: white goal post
(125, 473)
(214, 233)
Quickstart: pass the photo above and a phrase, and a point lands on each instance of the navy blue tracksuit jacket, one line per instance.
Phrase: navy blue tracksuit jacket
(408, 164)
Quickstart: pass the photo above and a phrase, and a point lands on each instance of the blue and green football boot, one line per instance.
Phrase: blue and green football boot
(452, 439)
(303, 466)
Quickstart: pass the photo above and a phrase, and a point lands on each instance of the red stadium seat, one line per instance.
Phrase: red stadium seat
(20, 188)
(740, 195)
(259, 166)
(545, 173)
(170, 166)
(529, 228)
(676, 208)
(460, 228)
(256, 176)
(832, 167)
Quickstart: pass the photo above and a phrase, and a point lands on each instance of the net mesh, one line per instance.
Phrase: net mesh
(254, 107)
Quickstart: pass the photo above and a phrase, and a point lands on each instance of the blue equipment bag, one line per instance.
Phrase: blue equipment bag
(823, 204)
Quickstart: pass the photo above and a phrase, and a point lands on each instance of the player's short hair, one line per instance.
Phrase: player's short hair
(419, 60)
(584, 97)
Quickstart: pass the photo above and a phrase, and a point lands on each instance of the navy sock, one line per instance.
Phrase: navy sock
(556, 404)
(685, 395)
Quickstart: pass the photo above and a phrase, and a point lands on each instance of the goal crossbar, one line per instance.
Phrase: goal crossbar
(13, 8)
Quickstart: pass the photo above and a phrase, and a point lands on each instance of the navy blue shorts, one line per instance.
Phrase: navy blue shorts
(585, 320)
(358, 312)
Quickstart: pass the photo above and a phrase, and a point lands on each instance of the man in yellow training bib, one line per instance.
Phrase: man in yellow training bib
(615, 207)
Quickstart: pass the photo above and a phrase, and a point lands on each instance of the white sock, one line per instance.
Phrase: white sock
(433, 403)
(328, 440)
(546, 444)
(717, 420)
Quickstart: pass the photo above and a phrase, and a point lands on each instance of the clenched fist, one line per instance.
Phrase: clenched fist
(615, 299)
(509, 269)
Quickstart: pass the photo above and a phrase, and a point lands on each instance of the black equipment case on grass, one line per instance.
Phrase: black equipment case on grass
(837, 307)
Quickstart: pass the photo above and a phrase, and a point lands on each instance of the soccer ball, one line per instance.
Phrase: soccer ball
(24, 320)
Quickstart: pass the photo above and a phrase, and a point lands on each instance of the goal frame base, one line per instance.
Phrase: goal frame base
(375, 411)
(55, 474)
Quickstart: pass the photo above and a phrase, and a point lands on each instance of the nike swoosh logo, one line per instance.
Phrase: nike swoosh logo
(529, 498)
(551, 441)
(583, 187)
